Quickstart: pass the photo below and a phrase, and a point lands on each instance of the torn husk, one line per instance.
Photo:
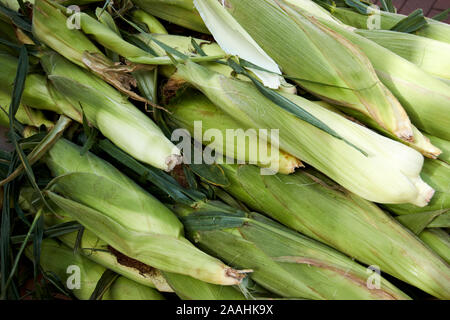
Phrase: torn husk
(98, 251)
(64, 263)
(62, 34)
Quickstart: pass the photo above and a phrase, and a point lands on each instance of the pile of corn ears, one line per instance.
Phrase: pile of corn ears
(224, 150)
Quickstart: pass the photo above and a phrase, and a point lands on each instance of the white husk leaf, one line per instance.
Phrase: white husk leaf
(233, 39)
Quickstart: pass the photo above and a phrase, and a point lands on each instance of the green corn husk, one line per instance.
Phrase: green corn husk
(106, 19)
(319, 208)
(180, 12)
(111, 112)
(42, 95)
(185, 287)
(125, 289)
(421, 143)
(284, 262)
(57, 258)
(342, 74)
(188, 288)
(25, 115)
(71, 43)
(388, 174)
(113, 41)
(153, 25)
(193, 106)
(424, 97)
(38, 92)
(75, 46)
(98, 251)
(435, 173)
(126, 217)
(93, 248)
(185, 46)
(443, 145)
(438, 240)
(434, 29)
(428, 54)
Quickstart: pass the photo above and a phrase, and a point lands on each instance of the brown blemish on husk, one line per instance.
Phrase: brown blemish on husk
(312, 262)
(172, 88)
(132, 263)
(178, 174)
(237, 274)
(118, 75)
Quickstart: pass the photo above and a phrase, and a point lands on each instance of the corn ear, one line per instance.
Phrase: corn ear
(109, 111)
(319, 208)
(424, 97)
(50, 27)
(96, 249)
(428, 54)
(126, 217)
(284, 262)
(342, 74)
(399, 181)
(61, 260)
(62, 34)
(180, 12)
(421, 142)
(193, 106)
(100, 252)
(438, 240)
